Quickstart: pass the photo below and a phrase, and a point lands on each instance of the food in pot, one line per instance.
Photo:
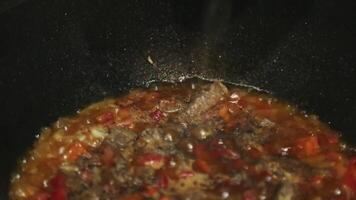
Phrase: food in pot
(190, 140)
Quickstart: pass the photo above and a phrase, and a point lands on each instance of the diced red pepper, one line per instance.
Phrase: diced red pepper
(307, 146)
(349, 178)
(108, 156)
(58, 181)
(157, 115)
(106, 117)
(59, 190)
(202, 166)
(149, 159)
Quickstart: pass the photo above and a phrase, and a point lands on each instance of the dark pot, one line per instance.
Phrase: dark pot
(58, 56)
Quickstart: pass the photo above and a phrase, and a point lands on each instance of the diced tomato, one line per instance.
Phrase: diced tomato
(59, 190)
(149, 159)
(75, 150)
(108, 156)
(307, 146)
(250, 195)
(58, 181)
(349, 178)
(157, 115)
(106, 117)
(202, 166)
(162, 180)
(41, 196)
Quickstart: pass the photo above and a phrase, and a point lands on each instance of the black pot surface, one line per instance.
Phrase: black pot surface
(58, 56)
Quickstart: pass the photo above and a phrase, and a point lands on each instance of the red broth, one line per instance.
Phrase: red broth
(188, 141)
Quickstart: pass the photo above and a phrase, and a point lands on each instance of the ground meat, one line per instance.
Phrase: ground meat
(188, 141)
(203, 102)
(121, 138)
(154, 140)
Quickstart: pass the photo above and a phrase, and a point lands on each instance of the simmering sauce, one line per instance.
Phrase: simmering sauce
(190, 140)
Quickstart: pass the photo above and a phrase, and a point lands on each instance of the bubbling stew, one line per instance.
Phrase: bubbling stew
(190, 140)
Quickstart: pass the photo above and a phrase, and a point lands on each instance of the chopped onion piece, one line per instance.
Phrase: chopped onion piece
(98, 132)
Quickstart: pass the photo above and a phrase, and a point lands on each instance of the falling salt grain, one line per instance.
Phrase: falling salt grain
(149, 59)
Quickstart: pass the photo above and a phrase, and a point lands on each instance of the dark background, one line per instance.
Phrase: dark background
(58, 56)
